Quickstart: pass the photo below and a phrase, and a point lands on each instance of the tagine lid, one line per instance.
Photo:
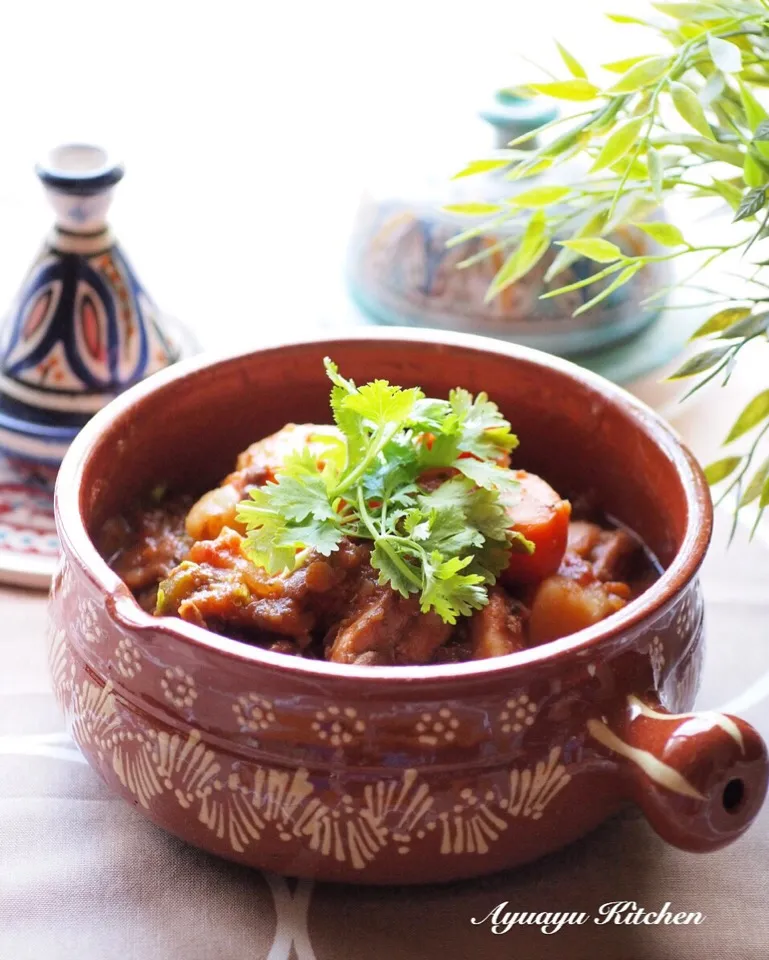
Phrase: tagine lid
(81, 329)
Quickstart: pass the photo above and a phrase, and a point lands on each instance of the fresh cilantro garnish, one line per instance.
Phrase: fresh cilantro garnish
(445, 544)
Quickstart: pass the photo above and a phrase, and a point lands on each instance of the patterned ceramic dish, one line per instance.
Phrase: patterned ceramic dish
(397, 774)
(401, 272)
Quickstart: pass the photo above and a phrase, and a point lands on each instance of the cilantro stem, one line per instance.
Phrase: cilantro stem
(380, 439)
(384, 543)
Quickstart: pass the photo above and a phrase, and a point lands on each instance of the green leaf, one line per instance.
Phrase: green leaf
(757, 486)
(539, 196)
(641, 75)
(751, 326)
(631, 167)
(754, 175)
(691, 11)
(584, 282)
(721, 469)
(573, 65)
(754, 413)
(473, 208)
(594, 248)
(620, 280)
(449, 592)
(618, 144)
(593, 226)
(665, 233)
(382, 404)
(529, 168)
(751, 203)
(689, 107)
(625, 18)
(754, 110)
(725, 55)
(481, 166)
(487, 474)
(720, 321)
(701, 362)
(720, 152)
(764, 501)
(755, 114)
(533, 246)
(393, 570)
(729, 192)
(479, 426)
(567, 89)
(296, 497)
(707, 149)
(323, 536)
(622, 66)
(762, 131)
(656, 171)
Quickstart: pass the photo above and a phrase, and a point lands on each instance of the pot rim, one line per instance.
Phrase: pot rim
(78, 547)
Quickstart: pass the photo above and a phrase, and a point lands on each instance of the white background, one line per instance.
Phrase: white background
(249, 129)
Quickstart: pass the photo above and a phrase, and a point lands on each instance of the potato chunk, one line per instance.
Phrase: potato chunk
(562, 606)
(257, 465)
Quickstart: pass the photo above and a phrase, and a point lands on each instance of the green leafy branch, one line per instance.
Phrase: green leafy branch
(689, 123)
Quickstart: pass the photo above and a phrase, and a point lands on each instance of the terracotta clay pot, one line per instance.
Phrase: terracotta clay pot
(398, 774)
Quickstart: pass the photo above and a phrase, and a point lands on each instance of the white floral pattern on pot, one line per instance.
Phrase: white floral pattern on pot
(239, 808)
(178, 687)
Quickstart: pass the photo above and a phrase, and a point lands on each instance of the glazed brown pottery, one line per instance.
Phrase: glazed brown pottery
(398, 774)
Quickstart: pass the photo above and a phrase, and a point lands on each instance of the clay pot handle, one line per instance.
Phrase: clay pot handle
(700, 778)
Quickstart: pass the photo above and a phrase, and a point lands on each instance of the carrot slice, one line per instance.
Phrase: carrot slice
(539, 513)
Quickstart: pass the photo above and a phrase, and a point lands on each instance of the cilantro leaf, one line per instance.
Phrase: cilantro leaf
(484, 431)
(323, 535)
(381, 404)
(491, 560)
(487, 474)
(369, 483)
(396, 469)
(347, 420)
(393, 570)
(450, 592)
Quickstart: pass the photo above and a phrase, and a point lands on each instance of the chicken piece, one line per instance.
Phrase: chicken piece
(583, 536)
(256, 466)
(217, 587)
(608, 551)
(498, 628)
(214, 511)
(146, 544)
(612, 555)
(563, 606)
(387, 628)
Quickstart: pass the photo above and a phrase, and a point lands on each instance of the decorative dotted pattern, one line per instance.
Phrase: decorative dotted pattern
(127, 658)
(338, 725)
(657, 657)
(87, 623)
(519, 712)
(685, 617)
(178, 687)
(434, 728)
(253, 713)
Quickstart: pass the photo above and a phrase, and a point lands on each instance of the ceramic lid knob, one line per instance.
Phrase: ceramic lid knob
(79, 179)
(512, 114)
